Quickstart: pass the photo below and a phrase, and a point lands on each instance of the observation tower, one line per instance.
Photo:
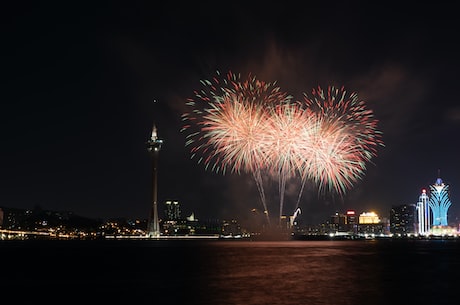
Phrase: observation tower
(154, 146)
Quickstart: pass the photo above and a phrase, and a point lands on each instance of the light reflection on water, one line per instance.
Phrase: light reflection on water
(331, 272)
(236, 272)
(297, 272)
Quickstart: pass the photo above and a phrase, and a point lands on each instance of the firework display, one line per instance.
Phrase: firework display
(338, 105)
(347, 141)
(227, 117)
(246, 125)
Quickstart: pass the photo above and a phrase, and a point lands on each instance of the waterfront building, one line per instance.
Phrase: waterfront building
(403, 220)
(338, 221)
(369, 223)
(423, 214)
(369, 218)
(439, 202)
(352, 221)
(344, 222)
(172, 210)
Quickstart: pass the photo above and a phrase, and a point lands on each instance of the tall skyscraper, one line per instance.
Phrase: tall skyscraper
(154, 146)
(439, 202)
(172, 210)
(403, 219)
(423, 214)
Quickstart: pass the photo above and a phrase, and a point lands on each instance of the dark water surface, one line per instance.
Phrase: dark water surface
(231, 272)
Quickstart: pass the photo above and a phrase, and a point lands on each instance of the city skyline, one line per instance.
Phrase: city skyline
(83, 86)
(430, 212)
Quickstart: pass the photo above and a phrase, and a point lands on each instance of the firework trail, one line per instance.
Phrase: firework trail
(289, 140)
(234, 130)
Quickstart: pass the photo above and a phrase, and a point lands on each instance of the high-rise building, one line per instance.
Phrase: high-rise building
(423, 214)
(403, 219)
(345, 222)
(352, 221)
(338, 221)
(172, 210)
(439, 202)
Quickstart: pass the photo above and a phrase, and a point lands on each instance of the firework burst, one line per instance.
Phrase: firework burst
(247, 125)
(337, 105)
(227, 122)
(228, 127)
(335, 161)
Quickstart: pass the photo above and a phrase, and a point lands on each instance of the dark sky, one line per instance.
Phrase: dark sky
(79, 83)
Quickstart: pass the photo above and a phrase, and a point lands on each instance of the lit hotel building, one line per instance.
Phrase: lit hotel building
(369, 218)
(439, 202)
(370, 224)
(432, 209)
(423, 214)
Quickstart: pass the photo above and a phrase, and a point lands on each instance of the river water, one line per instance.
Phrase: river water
(232, 272)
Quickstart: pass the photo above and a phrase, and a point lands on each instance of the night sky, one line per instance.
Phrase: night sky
(82, 85)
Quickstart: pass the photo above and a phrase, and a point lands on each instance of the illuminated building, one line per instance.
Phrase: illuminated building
(368, 218)
(338, 221)
(344, 222)
(403, 220)
(369, 223)
(439, 202)
(154, 146)
(352, 222)
(172, 210)
(423, 214)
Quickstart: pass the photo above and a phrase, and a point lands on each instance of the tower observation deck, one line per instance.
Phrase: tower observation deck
(154, 146)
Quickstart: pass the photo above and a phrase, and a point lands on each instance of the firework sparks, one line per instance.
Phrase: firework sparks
(338, 105)
(252, 126)
(335, 161)
(348, 138)
(229, 123)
